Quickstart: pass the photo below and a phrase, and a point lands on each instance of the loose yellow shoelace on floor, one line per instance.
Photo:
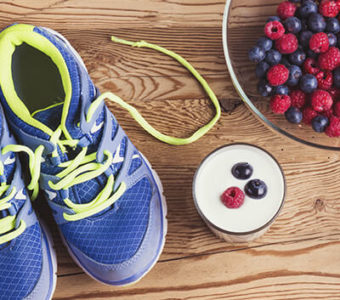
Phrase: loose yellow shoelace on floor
(139, 118)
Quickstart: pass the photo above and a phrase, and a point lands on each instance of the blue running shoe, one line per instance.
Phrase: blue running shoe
(27, 260)
(105, 197)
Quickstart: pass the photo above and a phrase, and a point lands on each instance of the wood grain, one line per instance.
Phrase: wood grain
(300, 270)
(299, 257)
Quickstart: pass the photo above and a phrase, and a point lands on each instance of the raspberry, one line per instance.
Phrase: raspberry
(338, 4)
(319, 42)
(334, 92)
(328, 113)
(336, 108)
(298, 98)
(325, 80)
(321, 100)
(286, 9)
(280, 103)
(333, 129)
(277, 75)
(287, 44)
(310, 66)
(330, 59)
(274, 30)
(308, 114)
(233, 197)
(328, 8)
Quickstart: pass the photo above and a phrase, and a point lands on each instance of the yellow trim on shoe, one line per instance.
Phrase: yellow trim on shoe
(12, 37)
(46, 108)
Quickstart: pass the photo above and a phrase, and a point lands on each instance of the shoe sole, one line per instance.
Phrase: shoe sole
(165, 229)
(53, 256)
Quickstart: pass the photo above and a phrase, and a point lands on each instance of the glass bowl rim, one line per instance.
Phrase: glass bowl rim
(244, 96)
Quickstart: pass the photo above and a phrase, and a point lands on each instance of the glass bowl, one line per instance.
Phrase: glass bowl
(243, 24)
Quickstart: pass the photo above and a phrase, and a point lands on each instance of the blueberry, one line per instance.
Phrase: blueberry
(316, 22)
(307, 8)
(281, 90)
(256, 189)
(284, 61)
(319, 123)
(304, 24)
(264, 88)
(256, 54)
(295, 1)
(308, 83)
(338, 38)
(293, 25)
(295, 74)
(261, 69)
(273, 57)
(297, 58)
(312, 54)
(242, 170)
(332, 39)
(273, 18)
(336, 77)
(293, 115)
(265, 43)
(305, 37)
(333, 25)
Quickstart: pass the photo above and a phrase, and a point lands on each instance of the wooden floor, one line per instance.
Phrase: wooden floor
(298, 258)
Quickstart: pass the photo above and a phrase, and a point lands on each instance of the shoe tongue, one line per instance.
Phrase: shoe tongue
(80, 88)
(50, 116)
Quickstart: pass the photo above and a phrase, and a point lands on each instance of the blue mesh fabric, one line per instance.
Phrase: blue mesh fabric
(115, 236)
(13, 118)
(20, 264)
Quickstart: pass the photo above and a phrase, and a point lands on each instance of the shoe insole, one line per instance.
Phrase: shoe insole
(36, 78)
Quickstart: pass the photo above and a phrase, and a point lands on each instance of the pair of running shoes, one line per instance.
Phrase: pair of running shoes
(107, 201)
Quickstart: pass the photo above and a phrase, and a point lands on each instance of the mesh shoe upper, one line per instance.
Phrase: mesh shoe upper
(20, 264)
(20, 258)
(115, 234)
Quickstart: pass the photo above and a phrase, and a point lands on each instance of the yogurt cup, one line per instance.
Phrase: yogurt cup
(214, 176)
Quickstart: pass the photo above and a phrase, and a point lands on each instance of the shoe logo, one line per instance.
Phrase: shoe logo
(9, 160)
(117, 158)
(51, 195)
(96, 127)
(20, 195)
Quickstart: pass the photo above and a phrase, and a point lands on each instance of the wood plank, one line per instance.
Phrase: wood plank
(79, 14)
(298, 257)
(300, 270)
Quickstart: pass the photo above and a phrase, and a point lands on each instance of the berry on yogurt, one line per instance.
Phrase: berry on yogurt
(256, 189)
(242, 170)
(233, 197)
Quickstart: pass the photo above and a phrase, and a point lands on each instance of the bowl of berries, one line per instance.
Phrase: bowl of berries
(284, 61)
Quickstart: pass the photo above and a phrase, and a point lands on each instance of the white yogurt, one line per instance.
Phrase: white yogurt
(214, 176)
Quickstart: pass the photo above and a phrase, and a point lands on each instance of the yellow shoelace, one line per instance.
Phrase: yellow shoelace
(78, 170)
(83, 167)
(8, 231)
